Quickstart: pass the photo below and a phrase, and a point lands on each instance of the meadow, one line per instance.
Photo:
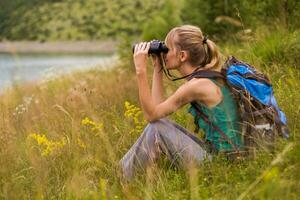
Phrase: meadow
(62, 138)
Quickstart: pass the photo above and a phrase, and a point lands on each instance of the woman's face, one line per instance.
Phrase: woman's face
(171, 58)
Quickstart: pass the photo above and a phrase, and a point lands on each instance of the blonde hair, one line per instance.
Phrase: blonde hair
(202, 52)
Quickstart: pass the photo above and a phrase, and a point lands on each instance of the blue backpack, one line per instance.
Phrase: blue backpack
(261, 118)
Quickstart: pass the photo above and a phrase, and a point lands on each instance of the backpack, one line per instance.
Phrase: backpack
(261, 118)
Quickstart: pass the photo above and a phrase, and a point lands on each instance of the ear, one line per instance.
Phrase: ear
(183, 56)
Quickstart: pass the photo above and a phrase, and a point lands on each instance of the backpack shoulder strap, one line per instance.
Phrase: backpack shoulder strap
(202, 115)
(206, 74)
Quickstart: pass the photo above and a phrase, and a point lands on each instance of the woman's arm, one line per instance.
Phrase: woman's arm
(152, 112)
(157, 81)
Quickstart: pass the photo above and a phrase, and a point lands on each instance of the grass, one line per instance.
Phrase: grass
(63, 138)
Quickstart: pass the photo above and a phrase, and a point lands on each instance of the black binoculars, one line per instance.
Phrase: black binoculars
(156, 47)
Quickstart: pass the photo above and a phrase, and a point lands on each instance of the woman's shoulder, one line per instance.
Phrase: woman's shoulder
(196, 86)
(204, 90)
(202, 84)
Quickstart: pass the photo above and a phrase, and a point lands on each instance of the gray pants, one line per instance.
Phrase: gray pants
(163, 137)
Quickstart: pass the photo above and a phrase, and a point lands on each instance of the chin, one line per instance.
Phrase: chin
(168, 66)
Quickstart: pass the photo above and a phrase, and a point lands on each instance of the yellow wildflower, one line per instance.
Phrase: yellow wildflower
(86, 121)
(135, 114)
(48, 146)
(272, 173)
(81, 143)
(91, 124)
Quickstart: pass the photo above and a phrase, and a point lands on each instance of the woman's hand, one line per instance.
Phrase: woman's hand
(140, 57)
(156, 61)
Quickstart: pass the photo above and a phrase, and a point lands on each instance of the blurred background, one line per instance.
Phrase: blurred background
(64, 20)
(37, 36)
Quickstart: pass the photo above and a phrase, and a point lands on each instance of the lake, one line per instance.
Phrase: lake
(29, 67)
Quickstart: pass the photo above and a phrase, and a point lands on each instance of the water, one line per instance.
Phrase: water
(30, 67)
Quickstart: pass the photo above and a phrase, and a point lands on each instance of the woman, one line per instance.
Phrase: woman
(189, 51)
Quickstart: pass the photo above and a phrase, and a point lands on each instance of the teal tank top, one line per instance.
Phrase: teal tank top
(225, 116)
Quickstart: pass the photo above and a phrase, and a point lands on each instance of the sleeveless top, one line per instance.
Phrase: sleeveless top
(225, 116)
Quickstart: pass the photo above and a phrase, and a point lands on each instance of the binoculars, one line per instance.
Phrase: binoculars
(156, 47)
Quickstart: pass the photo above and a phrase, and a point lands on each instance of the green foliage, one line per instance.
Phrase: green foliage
(196, 12)
(278, 47)
(211, 16)
(100, 19)
(281, 12)
(163, 20)
(76, 20)
(222, 18)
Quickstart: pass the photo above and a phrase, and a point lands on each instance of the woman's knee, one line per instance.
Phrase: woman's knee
(156, 127)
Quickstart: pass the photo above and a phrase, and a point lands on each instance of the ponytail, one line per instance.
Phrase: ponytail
(213, 60)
